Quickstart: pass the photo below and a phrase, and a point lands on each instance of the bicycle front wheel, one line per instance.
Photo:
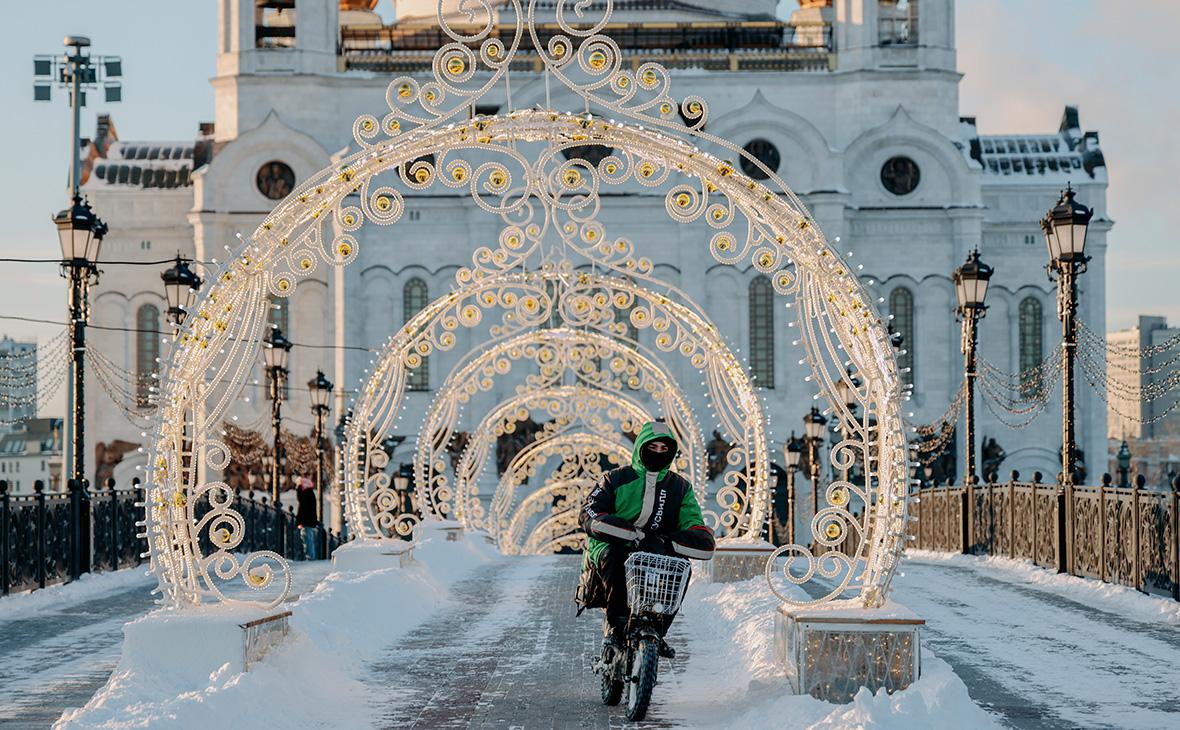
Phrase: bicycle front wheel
(643, 679)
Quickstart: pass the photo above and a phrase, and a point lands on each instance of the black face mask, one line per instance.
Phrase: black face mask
(654, 461)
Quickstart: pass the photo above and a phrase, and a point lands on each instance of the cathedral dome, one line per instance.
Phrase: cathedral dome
(358, 4)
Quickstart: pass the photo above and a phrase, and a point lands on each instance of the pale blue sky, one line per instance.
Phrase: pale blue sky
(1023, 60)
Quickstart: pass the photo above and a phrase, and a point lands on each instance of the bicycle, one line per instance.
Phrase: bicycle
(655, 589)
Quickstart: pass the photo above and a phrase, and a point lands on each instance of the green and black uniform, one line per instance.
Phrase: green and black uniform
(637, 508)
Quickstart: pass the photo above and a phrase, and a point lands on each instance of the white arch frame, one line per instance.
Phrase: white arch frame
(837, 321)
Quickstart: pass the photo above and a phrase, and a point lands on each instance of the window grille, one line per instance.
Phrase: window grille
(147, 349)
(762, 331)
(415, 298)
(901, 306)
(1031, 343)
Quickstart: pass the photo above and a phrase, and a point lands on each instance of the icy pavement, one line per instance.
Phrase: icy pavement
(1037, 655)
(510, 653)
(59, 645)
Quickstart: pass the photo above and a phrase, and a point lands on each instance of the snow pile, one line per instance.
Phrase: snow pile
(731, 679)
(87, 587)
(1122, 600)
(183, 669)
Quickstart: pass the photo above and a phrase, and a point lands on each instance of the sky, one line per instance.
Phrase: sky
(1022, 60)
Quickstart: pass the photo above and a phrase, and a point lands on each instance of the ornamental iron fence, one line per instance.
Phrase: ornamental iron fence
(1121, 535)
(52, 538)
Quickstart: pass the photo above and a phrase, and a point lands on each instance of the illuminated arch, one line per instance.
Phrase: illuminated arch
(759, 222)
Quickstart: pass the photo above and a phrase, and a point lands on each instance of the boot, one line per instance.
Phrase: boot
(614, 631)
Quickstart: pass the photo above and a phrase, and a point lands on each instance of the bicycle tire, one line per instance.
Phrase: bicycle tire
(612, 689)
(647, 662)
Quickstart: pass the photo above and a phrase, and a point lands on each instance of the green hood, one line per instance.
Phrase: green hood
(651, 431)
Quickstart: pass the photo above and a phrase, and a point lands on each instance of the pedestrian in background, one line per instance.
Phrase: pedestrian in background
(306, 516)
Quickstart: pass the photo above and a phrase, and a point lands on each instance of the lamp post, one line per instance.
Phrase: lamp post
(813, 430)
(321, 394)
(793, 453)
(341, 429)
(276, 350)
(846, 393)
(971, 280)
(80, 232)
(1124, 460)
(1065, 228)
(181, 286)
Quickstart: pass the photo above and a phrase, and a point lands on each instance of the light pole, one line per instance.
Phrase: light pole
(181, 286)
(846, 392)
(79, 230)
(971, 280)
(1065, 227)
(1124, 459)
(813, 430)
(793, 453)
(321, 394)
(276, 349)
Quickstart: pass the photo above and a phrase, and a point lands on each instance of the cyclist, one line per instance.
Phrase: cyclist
(646, 507)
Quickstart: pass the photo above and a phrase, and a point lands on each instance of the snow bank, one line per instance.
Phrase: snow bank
(731, 679)
(85, 588)
(1122, 600)
(182, 669)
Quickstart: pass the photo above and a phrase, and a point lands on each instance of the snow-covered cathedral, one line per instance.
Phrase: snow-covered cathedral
(855, 103)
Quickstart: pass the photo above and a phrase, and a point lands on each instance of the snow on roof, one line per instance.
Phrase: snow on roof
(1065, 155)
(144, 164)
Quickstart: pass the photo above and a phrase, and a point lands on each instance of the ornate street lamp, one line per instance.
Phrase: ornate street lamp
(80, 233)
(1065, 227)
(276, 350)
(813, 429)
(971, 280)
(321, 395)
(181, 286)
(1124, 460)
(793, 454)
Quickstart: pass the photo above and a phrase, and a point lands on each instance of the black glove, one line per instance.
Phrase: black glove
(653, 543)
(614, 529)
(696, 543)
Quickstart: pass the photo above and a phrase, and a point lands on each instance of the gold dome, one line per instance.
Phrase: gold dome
(358, 4)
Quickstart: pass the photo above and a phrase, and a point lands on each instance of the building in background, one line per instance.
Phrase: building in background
(855, 103)
(1143, 408)
(29, 452)
(18, 392)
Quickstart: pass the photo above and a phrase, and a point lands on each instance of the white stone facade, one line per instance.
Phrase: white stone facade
(834, 128)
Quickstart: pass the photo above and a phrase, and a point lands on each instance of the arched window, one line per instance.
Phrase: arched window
(414, 299)
(1031, 342)
(901, 306)
(147, 349)
(762, 331)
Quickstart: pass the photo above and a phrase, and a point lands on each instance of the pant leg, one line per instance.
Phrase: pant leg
(614, 575)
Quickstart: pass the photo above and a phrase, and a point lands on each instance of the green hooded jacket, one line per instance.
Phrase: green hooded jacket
(662, 503)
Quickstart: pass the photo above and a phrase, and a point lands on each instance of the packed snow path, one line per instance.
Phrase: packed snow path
(508, 653)
(56, 655)
(1039, 659)
(57, 658)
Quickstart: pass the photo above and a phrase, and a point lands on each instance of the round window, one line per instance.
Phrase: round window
(900, 175)
(275, 180)
(766, 153)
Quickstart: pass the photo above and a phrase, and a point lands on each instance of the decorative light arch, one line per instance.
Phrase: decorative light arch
(587, 300)
(563, 492)
(760, 222)
(595, 410)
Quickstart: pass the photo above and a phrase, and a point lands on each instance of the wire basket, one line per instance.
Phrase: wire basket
(655, 583)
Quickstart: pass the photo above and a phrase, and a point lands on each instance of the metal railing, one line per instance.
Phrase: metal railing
(51, 538)
(763, 46)
(1121, 535)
